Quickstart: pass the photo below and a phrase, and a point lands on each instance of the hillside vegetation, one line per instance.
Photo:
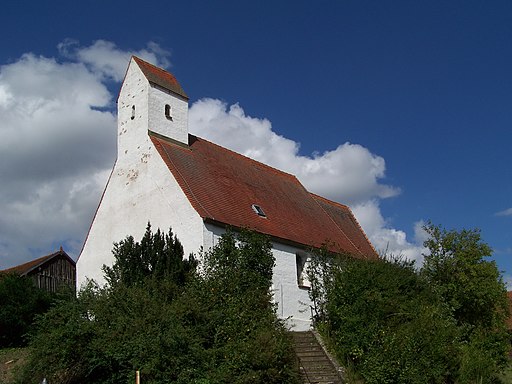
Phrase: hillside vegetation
(11, 359)
(159, 315)
(393, 323)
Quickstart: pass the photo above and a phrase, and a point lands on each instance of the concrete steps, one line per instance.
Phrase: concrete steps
(315, 365)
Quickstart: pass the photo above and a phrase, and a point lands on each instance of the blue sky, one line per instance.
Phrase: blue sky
(414, 97)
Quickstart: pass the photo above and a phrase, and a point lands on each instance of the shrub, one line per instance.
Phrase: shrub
(20, 302)
(175, 326)
(395, 324)
(383, 318)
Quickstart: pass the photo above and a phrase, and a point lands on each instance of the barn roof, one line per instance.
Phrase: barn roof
(230, 189)
(24, 269)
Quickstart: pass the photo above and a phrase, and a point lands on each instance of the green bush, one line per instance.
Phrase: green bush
(20, 302)
(383, 318)
(174, 325)
(394, 324)
(248, 344)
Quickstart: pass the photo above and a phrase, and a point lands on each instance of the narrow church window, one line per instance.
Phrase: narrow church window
(168, 114)
(258, 210)
(302, 262)
(133, 112)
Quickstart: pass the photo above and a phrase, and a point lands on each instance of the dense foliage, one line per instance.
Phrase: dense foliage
(172, 323)
(20, 302)
(158, 255)
(396, 324)
(473, 290)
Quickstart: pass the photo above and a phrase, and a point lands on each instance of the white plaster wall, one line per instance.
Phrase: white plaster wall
(211, 235)
(133, 197)
(177, 128)
(132, 133)
(141, 189)
(293, 303)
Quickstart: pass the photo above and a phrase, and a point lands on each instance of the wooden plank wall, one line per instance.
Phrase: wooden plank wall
(54, 274)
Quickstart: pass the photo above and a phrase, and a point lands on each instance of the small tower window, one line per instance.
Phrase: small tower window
(168, 112)
(258, 210)
(133, 112)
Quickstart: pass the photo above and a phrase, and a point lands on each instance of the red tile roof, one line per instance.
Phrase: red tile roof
(160, 77)
(223, 185)
(25, 268)
(347, 223)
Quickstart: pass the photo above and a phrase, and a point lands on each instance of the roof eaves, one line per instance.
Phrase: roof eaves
(331, 246)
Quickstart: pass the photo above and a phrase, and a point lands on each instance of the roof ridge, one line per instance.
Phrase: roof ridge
(138, 60)
(329, 200)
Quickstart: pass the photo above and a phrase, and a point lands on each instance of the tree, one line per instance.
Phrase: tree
(20, 302)
(234, 316)
(469, 284)
(396, 324)
(384, 320)
(473, 289)
(158, 255)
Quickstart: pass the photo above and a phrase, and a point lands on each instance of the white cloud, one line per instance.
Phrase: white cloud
(506, 212)
(57, 145)
(106, 59)
(388, 240)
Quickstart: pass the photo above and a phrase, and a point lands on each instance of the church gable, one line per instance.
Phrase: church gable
(150, 99)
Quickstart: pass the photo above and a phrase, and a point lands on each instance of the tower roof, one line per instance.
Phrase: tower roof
(160, 77)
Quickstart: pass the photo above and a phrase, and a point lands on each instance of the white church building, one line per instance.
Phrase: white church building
(168, 177)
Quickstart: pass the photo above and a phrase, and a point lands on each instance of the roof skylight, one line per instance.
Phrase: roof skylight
(256, 208)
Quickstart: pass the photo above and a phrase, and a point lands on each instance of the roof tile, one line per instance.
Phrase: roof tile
(160, 77)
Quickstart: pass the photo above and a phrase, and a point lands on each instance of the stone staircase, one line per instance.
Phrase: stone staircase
(315, 365)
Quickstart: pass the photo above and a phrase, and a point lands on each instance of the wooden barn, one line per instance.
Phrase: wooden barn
(49, 272)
